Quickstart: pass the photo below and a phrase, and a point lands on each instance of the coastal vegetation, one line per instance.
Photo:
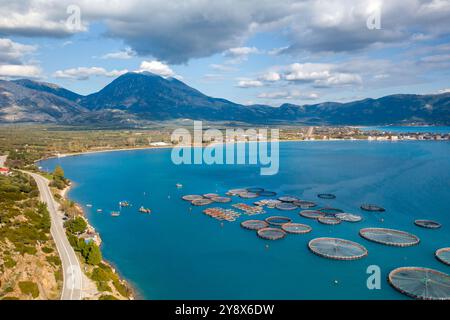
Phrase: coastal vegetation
(25, 241)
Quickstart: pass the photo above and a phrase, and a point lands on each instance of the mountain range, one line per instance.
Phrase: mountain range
(138, 98)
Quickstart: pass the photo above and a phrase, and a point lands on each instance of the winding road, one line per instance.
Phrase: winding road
(72, 274)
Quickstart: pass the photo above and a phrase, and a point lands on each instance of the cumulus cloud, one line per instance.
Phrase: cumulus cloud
(156, 67)
(84, 73)
(248, 83)
(293, 94)
(19, 71)
(271, 76)
(128, 53)
(222, 67)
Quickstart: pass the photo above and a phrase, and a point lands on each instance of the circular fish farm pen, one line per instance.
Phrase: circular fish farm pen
(191, 197)
(248, 195)
(326, 196)
(201, 202)
(312, 214)
(266, 193)
(270, 203)
(271, 233)
(430, 224)
(421, 283)
(297, 228)
(348, 217)
(288, 199)
(221, 199)
(389, 237)
(210, 195)
(338, 249)
(329, 220)
(255, 190)
(443, 255)
(254, 224)
(330, 211)
(372, 208)
(303, 204)
(236, 192)
(286, 206)
(278, 220)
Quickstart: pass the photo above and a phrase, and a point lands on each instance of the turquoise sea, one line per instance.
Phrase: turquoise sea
(177, 252)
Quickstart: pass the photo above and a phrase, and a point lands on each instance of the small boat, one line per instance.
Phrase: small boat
(99, 210)
(144, 210)
(124, 204)
(179, 185)
(115, 214)
(89, 205)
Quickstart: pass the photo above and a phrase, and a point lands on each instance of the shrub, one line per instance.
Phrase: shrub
(29, 287)
(76, 226)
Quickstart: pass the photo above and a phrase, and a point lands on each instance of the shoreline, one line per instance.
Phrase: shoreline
(134, 293)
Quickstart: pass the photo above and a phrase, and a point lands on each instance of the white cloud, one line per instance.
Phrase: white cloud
(222, 67)
(156, 67)
(241, 51)
(128, 53)
(271, 76)
(293, 94)
(13, 52)
(445, 90)
(250, 83)
(19, 71)
(84, 73)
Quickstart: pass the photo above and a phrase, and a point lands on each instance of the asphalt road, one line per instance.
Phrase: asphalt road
(73, 279)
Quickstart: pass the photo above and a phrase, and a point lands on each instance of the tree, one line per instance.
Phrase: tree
(76, 226)
(59, 172)
(92, 254)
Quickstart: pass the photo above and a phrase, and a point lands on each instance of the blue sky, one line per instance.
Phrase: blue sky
(268, 52)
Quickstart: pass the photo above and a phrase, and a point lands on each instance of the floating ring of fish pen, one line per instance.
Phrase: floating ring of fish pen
(271, 233)
(348, 217)
(236, 192)
(288, 199)
(303, 204)
(389, 237)
(311, 214)
(297, 228)
(254, 224)
(372, 208)
(201, 202)
(329, 220)
(221, 199)
(339, 249)
(248, 195)
(443, 255)
(278, 220)
(421, 283)
(430, 224)
(267, 193)
(286, 206)
(326, 196)
(210, 195)
(255, 190)
(191, 197)
(328, 211)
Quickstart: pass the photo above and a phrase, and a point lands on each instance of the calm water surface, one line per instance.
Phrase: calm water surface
(179, 253)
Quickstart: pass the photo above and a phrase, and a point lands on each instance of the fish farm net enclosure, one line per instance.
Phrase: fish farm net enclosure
(421, 283)
(288, 199)
(427, 224)
(254, 224)
(389, 237)
(303, 204)
(372, 208)
(443, 255)
(329, 220)
(312, 214)
(285, 206)
(339, 249)
(191, 197)
(271, 233)
(348, 217)
(326, 196)
(297, 228)
(278, 220)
